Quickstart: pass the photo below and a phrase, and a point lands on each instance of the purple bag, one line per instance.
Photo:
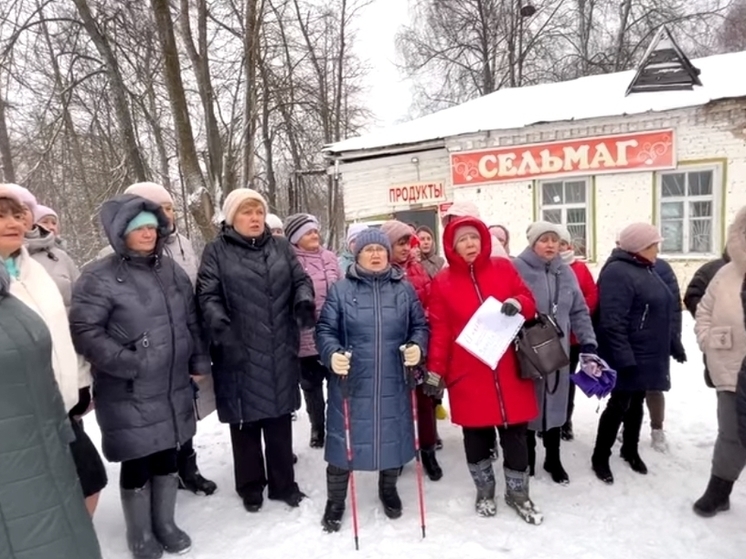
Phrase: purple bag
(595, 377)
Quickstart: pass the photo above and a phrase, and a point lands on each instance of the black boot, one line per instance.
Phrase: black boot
(608, 427)
(567, 433)
(484, 480)
(531, 443)
(337, 480)
(191, 479)
(552, 462)
(388, 494)
(716, 498)
(601, 468)
(172, 538)
(430, 464)
(138, 518)
(315, 405)
(630, 452)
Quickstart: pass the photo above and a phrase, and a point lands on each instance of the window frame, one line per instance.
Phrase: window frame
(717, 169)
(590, 224)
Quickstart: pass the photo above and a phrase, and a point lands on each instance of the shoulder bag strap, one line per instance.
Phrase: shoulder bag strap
(555, 304)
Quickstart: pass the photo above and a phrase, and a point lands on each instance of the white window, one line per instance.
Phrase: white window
(568, 202)
(688, 207)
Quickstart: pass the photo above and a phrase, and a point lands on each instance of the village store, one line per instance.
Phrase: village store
(583, 152)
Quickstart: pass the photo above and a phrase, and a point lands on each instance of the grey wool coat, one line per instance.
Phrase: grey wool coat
(572, 316)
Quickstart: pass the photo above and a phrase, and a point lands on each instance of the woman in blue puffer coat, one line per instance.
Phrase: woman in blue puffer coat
(372, 327)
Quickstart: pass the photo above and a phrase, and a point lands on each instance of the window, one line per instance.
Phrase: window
(687, 211)
(568, 203)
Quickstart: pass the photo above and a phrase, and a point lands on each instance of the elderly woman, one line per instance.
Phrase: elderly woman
(347, 258)
(557, 295)
(302, 230)
(482, 399)
(371, 327)
(255, 299)
(276, 227)
(134, 318)
(635, 328)
(47, 218)
(722, 336)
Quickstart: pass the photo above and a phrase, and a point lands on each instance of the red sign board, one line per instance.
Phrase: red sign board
(417, 193)
(636, 152)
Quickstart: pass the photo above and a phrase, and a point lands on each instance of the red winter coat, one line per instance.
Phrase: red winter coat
(478, 396)
(587, 286)
(419, 278)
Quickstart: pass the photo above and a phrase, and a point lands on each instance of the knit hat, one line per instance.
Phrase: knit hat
(23, 195)
(297, 225)
(43, 211)
(150, 191)
(536, 230)
(273, 221)
(638, 236)
(6, 192)
(353, 230)
(142, 219)
(564, 234)
(462, 209)
(396, 230)
(464, 230)
(236, 198)
(372, 236)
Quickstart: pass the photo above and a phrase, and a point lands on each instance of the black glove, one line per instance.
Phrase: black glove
(433, 385)
(221, 334)
(590, 349)
(510, 307)
(84, 400)
(305, 314)
(677, 351)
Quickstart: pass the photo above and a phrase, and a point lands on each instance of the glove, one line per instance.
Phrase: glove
(305, 314)
(84, 401)
(433, 385)
(511, 307)
(341, 363)
(678, 352)
(588, 349)
(412, 354)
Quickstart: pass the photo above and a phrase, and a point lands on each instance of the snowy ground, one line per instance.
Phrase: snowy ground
(641, 517)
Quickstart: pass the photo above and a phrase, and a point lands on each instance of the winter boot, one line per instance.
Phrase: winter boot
(716, 498)
(172, 538)
(294, 496)
(601, 468)
(191, 479)
(552, 462)
(484, 479)
(516, 496)
(658, 441)
(430, 464)
(252, 500)
(567, 432)
(388, 494)
(629, 451)
(531, 444)
(337, 480)
(315, 405)
(136, 504)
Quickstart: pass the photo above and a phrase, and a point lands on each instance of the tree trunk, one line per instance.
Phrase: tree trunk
(7, 171)
(251, 47)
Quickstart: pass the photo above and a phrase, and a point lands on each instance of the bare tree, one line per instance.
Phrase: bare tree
(732, 35)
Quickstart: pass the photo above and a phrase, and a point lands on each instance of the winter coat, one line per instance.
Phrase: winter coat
(179, 248)
(720, 325)
(418, 277)
(346, 259)
(478, 396)
(701, 279)
(635, 322)
(587, 286)
(666, 273)
(571, 315)
(37, 289)
(251, 293)
(371, 316)
(323, 269)
(43, 514)
(43, 247)
(135, 319)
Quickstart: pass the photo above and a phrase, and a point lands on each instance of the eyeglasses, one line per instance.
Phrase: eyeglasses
(374, 249)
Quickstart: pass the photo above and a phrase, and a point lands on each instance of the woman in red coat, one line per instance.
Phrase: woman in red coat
(480, 398)
(590, 294)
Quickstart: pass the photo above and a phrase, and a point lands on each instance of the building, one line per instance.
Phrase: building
(584, 152)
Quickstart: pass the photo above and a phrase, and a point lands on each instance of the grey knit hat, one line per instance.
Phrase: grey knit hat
(371, 236)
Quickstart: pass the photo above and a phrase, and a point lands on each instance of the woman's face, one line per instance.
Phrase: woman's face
(651, 253)
(142, 240)
(548, 246)
(564, 246)
(249, 219)
(469, 246)
(426, 242)
(168, 209)
(401, 250)
(278, 232)
(373, 258)
(50, 223)
(310, 241)
(500, 235)
(28, 218)
(12, 229)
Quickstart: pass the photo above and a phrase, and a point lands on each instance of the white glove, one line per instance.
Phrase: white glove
(341, 363)
(412, 354)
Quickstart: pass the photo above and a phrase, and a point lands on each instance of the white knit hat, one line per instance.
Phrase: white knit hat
(150, 191)
(236, 198)
(274, 222)
(536, 230)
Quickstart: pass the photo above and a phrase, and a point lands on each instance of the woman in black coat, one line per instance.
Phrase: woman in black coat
(134, 318)
(254, 295)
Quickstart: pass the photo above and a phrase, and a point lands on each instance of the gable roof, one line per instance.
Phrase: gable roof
(583, 98)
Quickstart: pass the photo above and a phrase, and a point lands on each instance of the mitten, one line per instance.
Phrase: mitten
(341, 363)
(412, 354)
(511, 307)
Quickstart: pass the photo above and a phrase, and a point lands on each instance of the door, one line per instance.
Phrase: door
(428, 217)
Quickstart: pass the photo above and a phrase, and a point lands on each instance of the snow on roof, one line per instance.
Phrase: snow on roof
(589, 97)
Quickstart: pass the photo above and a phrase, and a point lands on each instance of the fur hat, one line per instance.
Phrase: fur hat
(638, 236)
(236, 198)
(150, 191)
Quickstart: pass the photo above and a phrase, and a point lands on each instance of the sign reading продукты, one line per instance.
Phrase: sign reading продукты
(634, 152)
(417, 193)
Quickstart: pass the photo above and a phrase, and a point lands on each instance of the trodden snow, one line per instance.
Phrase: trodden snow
(641, 517)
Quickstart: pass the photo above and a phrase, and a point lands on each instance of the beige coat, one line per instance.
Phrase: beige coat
(720, 327)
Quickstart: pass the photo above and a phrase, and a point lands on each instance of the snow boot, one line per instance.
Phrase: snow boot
(602, 469)
(388, 494)
(716, 498)
(517, 497)
(337, 481)
(658, 441)
(629, 451)
(552, 462)
(191, 479)
(315, 405)
(430, 464)
(136, 504)
(567, 433)
(484, 480)
(173, 539)
(531, 444)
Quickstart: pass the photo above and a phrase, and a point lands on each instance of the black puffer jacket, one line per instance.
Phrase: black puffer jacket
(134, 318)
(253, 293)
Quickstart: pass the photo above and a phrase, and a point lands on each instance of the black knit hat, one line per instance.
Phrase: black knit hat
(297, 225)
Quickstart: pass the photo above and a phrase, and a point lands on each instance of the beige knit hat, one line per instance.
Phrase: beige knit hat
(150, 191)
(236, 198)
(638, 236)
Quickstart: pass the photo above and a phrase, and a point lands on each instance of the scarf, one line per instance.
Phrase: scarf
(12, 267)
(568, 256)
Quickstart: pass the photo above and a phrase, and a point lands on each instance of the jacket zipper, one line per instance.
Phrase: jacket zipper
(644, 316)
(377, 384)
(498, 390)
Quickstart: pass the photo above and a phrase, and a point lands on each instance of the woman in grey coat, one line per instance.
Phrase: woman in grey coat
(557, 294)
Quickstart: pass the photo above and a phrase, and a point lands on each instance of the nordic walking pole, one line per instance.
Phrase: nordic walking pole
(348, 447)
(418, 466)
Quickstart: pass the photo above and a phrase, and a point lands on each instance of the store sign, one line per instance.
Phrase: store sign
(443, 208)
(637, 152)
(417, 193)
